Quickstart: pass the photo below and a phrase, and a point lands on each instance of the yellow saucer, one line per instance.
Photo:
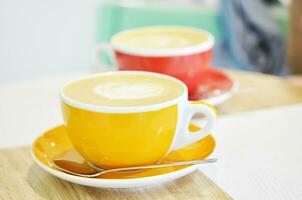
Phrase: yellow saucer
(55, 143)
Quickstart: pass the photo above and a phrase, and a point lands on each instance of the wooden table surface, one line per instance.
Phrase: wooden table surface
(20, 178)
(258, 91)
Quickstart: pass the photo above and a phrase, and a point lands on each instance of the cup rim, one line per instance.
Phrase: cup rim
(182, 51)
(124, 109)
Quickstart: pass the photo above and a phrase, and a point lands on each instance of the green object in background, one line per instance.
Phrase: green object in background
(115, 17)
(281, 16)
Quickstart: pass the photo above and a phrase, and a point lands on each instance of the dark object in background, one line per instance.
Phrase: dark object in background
(251, 37)
(271, 2)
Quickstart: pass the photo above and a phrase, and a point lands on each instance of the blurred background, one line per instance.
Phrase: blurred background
(50, 37)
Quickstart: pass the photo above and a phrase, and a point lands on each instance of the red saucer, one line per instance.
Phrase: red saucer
(214, 84)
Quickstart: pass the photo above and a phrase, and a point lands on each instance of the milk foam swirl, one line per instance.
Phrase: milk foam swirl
(158, 42)
(124, 90)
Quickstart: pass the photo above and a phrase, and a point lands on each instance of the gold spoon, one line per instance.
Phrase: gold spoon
(89, 170)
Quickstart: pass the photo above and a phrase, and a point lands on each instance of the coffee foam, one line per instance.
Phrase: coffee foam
(160, 38)
(159, 42)
(123, 90)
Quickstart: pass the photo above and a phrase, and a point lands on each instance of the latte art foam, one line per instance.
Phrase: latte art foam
(160, 38)
(158, 42)
(127, 90)
(123, 89)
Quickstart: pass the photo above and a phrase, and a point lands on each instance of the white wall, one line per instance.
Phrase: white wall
(44, 37)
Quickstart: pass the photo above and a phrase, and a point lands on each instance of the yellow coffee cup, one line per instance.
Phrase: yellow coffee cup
(136, 130)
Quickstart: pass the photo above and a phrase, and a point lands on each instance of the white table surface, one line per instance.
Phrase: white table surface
(260, 153)
(27, 108)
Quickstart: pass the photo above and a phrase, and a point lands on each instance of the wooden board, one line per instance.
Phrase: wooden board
(20, 178)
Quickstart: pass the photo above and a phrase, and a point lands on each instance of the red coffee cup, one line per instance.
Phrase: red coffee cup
(185, 60)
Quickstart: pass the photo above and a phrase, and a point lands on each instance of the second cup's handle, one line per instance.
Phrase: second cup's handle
(99, 50)
(186, 136)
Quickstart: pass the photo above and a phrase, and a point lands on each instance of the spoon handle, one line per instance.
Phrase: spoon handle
(191, 162)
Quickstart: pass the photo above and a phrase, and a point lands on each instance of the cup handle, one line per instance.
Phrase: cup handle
(98, 52)
(185, 136)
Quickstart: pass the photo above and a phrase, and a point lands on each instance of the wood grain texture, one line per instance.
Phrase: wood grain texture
(20, 178)
(258, 91)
